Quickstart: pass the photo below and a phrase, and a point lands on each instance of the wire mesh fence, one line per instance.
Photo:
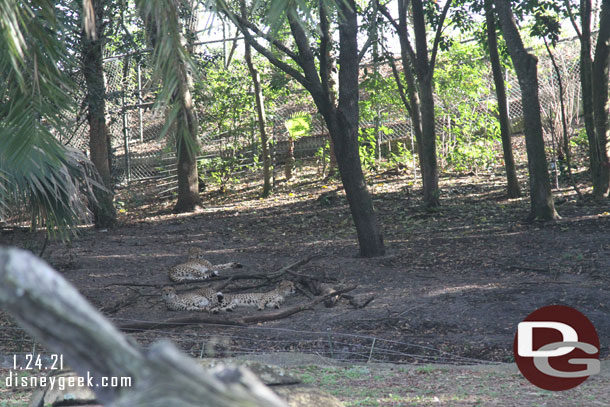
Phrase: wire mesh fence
(141, 152)
(233, 341)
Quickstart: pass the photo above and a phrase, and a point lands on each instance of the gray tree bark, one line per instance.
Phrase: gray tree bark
(513, 190)
(187, 143)
(600, 104)
(52, 311)
(260, 111)
(542, 206)
(586, 76)
(99, 137)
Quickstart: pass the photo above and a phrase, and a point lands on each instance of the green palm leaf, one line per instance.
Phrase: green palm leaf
(37, 173)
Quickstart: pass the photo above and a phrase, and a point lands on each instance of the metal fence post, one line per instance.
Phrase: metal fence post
(140, 123)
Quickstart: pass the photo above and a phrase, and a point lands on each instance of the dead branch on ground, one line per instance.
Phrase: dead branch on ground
(249, 319)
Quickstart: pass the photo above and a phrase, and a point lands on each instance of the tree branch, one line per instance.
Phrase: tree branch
(373, 34)
(573, 19)
(298, 76)
(401, 29)
(325, 45)
(386, 13)
(306, 57)
(437, 37)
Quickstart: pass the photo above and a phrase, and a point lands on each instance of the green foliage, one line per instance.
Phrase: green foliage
(380, 95)
(579, 139)
(224, 99)
(223, 171)
(217, 170)
(467, 109)
(299, 125)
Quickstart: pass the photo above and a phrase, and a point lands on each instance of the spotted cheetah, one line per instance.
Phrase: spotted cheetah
(197, 267)
(204, 299)
(273, 298)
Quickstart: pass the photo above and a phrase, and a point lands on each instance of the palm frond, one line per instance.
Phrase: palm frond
(170, 59)
(36, 171)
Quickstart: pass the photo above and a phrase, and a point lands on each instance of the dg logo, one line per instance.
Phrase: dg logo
(556, 348)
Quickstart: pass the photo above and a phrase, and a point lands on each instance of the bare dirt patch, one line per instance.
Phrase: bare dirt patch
(456, 280)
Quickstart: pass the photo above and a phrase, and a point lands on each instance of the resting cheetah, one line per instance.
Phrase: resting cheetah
(269, 299)
(197, 267)
(204, 299)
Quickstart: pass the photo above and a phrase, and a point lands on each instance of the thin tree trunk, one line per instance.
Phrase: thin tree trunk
(332, 161)
(542, 206)
(564, 123)
(428, 124)
(187, 143)
(586, 75)
(333, 90)
(601, 103)
(419, 70)
(289, 164)
(260, 111)
(428, 145)
(99, 137)
(513, 190)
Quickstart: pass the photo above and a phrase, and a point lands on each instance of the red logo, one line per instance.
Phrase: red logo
(556, 348)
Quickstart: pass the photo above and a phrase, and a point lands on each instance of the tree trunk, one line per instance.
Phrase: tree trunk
(542, 207)
(342, 121)
(418, 71)
(428, 124)
(586, 75)
(429, 167)
(99, 137)
(343, 124)
(289, 164)
(513, 190)
(187, 144)
(601, 105)
(260, 111)
(332, 161)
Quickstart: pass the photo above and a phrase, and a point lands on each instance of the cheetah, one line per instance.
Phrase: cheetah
(197, 267)
(273, 298)
(204, 299)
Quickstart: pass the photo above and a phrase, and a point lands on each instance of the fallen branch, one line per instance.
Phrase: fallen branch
(293, 310)
(198, 320)
(296, 264)
(229, 276)
(114, 308)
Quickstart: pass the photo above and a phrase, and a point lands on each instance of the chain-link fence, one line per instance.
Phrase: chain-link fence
(139, 153)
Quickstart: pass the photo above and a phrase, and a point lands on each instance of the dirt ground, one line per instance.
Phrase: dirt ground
(454, 282)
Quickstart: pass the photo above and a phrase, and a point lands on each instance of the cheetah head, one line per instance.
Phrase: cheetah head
(286, 287)
(168, 292)
(196, 253)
